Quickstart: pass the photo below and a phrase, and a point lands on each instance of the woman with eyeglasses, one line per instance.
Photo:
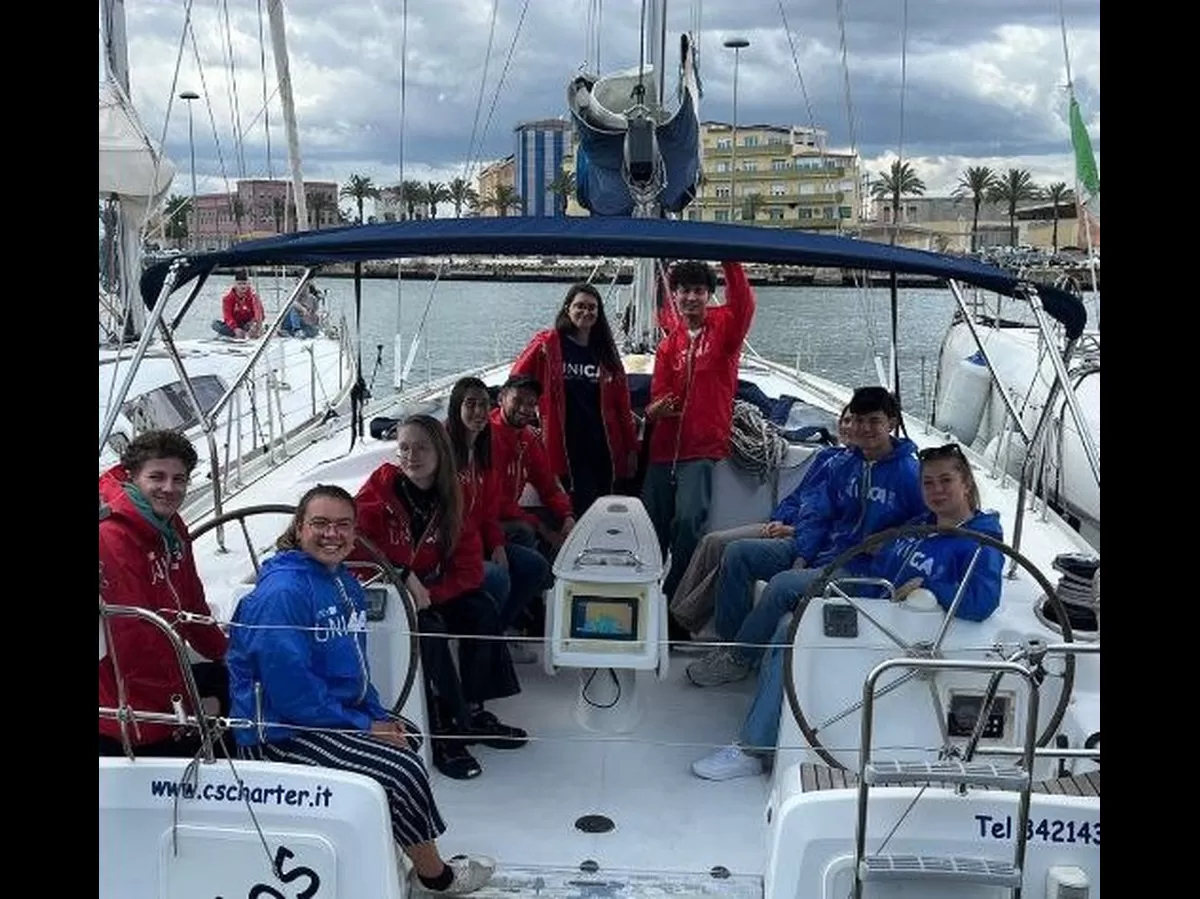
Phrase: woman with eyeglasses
(585, 409)
(937, 563)
(413, 512)
(146, 561)
(298, 668)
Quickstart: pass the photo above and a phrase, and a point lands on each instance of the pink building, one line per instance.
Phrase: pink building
(260, 208)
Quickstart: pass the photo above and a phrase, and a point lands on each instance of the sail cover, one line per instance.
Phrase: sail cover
(600, 185)
(132, 165)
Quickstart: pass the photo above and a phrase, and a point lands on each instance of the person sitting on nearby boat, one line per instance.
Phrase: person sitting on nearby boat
(413, 512)
(935, 562)
(146, 561)
(691, 406)
(241, 310)
(871, 487)
(304, 318)
(586, 415)
(692, 604)
(513, 574)
(298, 667)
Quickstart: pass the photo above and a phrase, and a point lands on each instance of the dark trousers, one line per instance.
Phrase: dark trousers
(591, 477)
(484, 669)
(212, 680)
(519, 533)
(678, 506)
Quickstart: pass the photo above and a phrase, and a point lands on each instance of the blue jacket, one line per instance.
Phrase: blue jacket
(859, 498)
(789, 509)
(302, 634)
(941, 561)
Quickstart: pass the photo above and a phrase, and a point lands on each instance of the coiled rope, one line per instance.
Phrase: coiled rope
(756, 444)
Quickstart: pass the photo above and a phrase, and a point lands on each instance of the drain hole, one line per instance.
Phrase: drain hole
(595, 824)
(589, 866)
(719, 872)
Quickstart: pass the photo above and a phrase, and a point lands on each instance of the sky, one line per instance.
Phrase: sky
(945, 84)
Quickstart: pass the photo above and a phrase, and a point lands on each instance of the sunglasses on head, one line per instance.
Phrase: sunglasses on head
(945, 451)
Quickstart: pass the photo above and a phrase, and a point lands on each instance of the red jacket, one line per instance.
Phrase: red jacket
(543, 359)
(136, 569)
(519, 458)
(238, 310)
(384, 521)
(703, 374)
(481, 504)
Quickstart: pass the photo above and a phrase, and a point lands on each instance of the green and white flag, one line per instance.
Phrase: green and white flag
(1086, 174)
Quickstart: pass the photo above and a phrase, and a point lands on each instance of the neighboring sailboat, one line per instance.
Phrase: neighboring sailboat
(989, 367)
(602, 802)
(243, 403)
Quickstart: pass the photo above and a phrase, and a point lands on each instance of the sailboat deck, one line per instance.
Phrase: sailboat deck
(666, 819)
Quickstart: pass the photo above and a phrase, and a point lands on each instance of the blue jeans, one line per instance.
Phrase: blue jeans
(744, 562)
(526, 576)
(678, 507)
(294, 324)
(781, 597)
(760, 730)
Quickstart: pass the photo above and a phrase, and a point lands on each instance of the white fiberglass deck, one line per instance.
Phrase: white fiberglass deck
(524, 806)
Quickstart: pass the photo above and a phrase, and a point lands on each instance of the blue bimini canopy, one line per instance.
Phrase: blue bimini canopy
(614, 237)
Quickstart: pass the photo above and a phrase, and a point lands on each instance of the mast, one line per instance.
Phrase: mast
(116, 48)
(1086, 177)
(279, 45)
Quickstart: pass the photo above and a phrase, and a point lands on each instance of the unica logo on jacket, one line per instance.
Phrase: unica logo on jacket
(333, 622)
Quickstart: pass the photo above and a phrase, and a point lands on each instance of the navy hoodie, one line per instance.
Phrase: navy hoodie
(941, 561)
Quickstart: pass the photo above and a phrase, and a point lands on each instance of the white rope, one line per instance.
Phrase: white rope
(756, 444)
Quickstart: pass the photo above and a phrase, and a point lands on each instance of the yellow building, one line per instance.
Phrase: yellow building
(785, 177)
(777, 176)
(498, 174)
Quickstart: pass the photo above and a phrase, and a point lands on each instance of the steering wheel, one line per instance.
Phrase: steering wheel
(384, 570)
(915, 649)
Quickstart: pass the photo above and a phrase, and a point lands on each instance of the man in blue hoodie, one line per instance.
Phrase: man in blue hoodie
(871, 487)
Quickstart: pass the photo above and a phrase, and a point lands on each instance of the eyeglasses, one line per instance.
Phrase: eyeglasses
(340, 526)
(945, 451)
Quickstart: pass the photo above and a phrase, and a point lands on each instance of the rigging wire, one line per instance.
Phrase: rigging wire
(487, 56)
(403, 110)
(235, 104)
(503, 73)
(262, 65)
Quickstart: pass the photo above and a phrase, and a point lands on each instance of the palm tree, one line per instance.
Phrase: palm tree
(977, 183)
(317, 204)
(435, 192)
(900, 181)
(176, 213)
(751, 204)
(503, 199)
(359, 188)
(1010, 189)
(1058, 193)
(461, 194)
(412, 193)
(563, 188)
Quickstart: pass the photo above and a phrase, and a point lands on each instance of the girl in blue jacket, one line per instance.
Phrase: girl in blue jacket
(298, 665)
(936, 562)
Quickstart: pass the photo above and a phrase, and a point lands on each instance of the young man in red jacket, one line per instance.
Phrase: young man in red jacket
(691, 405)
(146, 561)
(520, 457)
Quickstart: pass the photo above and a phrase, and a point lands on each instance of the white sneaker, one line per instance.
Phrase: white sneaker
(728, 763)
(470, 873)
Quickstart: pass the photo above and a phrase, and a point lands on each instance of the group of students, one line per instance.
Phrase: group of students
(448, 515)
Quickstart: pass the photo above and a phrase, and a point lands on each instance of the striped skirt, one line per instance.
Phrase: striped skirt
(401, 773)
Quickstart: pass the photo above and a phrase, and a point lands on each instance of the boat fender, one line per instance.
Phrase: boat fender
(383, 427)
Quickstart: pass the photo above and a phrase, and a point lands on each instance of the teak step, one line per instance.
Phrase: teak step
(939, 868)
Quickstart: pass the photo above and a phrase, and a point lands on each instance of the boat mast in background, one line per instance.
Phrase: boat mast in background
(282, 72)
(1087, 175)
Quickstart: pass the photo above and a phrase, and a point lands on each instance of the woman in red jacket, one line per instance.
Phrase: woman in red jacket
(587, 418)
(146, 561)
(413, 512)
(513, 574)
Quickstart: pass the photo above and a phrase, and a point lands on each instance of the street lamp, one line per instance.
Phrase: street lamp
(189, 96)
(737, 44)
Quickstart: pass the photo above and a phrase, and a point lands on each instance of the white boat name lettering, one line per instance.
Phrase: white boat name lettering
(1045, 830)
